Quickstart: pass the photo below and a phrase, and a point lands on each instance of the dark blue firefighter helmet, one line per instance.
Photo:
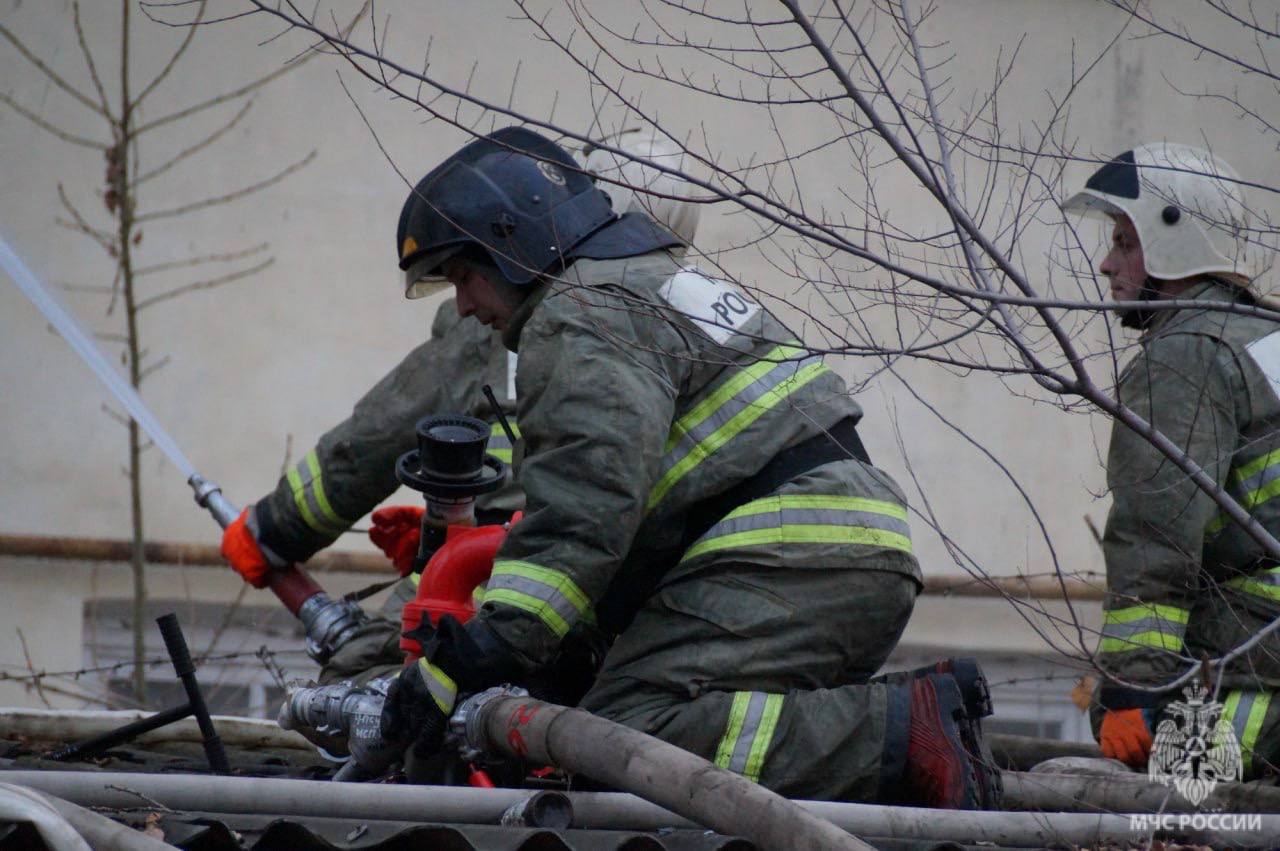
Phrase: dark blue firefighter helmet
(514, 195)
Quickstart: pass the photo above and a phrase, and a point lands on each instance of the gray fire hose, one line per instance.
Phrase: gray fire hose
(495, 722)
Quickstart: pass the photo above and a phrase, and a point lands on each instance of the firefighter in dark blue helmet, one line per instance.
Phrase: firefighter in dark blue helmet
(695, 485)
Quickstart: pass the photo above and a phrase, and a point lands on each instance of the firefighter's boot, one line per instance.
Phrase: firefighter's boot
(968, 675)
(947, 764)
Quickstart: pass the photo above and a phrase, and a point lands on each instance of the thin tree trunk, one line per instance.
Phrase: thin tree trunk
(124, 194)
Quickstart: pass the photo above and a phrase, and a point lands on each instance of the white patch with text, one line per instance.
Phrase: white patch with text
(719, 308)
(1266, 354)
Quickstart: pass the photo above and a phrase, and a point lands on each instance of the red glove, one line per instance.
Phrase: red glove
(397, 530)
(1125, 736)
(240, 548)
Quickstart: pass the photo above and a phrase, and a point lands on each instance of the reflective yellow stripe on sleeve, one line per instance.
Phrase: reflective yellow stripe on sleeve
(551, 595)
(306, 480)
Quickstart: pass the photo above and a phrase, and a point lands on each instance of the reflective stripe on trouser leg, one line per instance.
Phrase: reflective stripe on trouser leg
(1143, 626)
(748, 733)
(1245, 711)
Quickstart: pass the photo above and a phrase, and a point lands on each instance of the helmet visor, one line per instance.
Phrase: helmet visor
(1090, 202)
(426, 277)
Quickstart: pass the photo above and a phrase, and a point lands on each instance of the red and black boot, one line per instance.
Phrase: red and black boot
(968, 675)
(946, 765)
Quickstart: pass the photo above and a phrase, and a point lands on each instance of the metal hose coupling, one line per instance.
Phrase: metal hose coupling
(343, 719)
(329, 624)
(466, 725)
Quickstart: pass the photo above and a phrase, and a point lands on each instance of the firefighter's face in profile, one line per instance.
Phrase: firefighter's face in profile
(1124, 266)
(482, 293)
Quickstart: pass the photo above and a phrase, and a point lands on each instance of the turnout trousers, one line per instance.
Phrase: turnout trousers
(766, 671)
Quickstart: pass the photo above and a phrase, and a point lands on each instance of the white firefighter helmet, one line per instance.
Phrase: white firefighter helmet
(1187, 206)
(678, 215)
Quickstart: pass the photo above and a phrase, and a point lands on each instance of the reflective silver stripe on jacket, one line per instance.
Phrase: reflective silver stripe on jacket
(808, 519)
(729, 409)
(549, 594)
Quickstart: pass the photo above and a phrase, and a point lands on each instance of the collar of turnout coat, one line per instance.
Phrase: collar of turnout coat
(1210, 290)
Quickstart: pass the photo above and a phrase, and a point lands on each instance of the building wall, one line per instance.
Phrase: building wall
(286, 353)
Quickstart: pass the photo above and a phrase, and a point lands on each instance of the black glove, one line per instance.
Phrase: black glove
(416, 711)
(456, 659)
(471, 655)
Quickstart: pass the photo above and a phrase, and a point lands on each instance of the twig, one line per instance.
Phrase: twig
(46, 126)
(204, 285)
(229, 197)
(35, 679)
(53, 77)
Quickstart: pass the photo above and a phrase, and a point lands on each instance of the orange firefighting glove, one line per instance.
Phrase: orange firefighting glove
(241, 549)
(396, 530)
(1125, 736)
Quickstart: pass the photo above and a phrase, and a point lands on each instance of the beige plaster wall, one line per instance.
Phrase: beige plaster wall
(289, 351)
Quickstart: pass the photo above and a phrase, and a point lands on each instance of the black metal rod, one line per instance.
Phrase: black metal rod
(120, 735)
(176, 643)
(497, 409)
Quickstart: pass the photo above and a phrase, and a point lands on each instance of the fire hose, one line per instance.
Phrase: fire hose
(328, 622)
(517, 726)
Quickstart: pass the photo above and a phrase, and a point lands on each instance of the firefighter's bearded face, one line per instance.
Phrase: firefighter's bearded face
(482, 292)
(1126, 272)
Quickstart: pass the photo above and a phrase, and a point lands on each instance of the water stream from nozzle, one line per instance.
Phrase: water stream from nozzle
(83, 346)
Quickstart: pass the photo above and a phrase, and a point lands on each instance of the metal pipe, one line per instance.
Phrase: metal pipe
(203, 555)
(1022, 753)
(591, 810)
(176, 643)
(1086, 793)
(59, 725)
(160, 552)
(627, 759)
(122, 734)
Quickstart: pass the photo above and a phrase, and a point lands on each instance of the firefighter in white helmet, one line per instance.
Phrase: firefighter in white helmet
(351, 469)
(1184, 581)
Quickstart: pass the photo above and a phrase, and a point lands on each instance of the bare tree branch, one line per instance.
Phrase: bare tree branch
(49, 73)
(229, 197)
(204, 285)
(48, 127)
